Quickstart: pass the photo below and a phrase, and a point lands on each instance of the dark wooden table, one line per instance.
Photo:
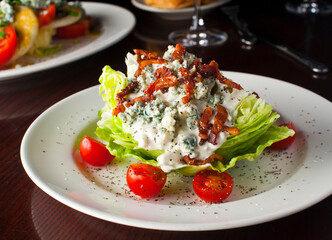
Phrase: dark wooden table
(26, 212)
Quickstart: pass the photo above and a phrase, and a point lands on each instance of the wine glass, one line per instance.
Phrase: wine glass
(197, 34)
(309, 7)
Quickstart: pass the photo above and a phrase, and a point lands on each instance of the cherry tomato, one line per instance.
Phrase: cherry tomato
(94, 152)
(145, 180)
(8, 45)
(46, 15)
(75, 30)
(287, 141)
(212, 186)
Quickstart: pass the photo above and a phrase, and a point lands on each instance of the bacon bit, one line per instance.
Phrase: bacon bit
(190, 87)
(161, 83)
(146, 55)
(257, 96)
(197, 162)
(202, 70)
(186, 99)
(151, 88)
(164, 90)
(163, 72)
(227, 81)
(219, 121)
(165, 79)
(144, 99)
(143, 63)
(206, 70)
(152, 61)
(209, 70)
(232, 130)
(118, 109)
(191, 161)
(178, 52)
(166, 82)
(189, 82)
(213, 70)
(203, 125)
(120, 97)
(184, 71)
(217, 157)
(189, 79)
(131, 86)
(196, 63)
(144, 58)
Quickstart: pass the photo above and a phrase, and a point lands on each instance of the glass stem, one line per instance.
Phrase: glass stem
(197, 21)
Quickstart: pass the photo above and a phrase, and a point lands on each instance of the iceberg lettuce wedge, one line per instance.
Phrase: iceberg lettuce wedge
(255, 120)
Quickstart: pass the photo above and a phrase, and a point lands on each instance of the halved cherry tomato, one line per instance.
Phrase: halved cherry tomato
(212, 186)
(75, 30)
(285, 143)
(8, 45)
(145, 180)
(94, 152)
(46, 15)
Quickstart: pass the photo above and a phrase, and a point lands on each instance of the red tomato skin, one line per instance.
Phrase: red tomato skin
(212, 186)
(46, 15)
(7, 45)
(285, 143)
(94, 152)
(145, 180)
(75, 30)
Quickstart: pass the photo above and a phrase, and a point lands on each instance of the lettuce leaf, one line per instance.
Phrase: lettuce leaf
(254, 118)
(111, 129)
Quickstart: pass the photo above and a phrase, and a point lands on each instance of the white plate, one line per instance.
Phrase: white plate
(277, 184)
(178, 14)
(115, 22)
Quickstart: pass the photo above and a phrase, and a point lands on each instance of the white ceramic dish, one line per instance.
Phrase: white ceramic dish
(115, 22)
(178, 14)
(277, 184)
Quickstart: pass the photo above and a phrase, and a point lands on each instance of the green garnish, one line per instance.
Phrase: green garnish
(14, 2)
(2, 34)
(47, 51)
(3, 23)
(74, 13)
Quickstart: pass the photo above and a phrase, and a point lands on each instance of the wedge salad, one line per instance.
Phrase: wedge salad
(178, 114)
(28, 27)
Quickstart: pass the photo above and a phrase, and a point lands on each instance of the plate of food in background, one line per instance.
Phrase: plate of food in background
(176, 9)
(39, 37)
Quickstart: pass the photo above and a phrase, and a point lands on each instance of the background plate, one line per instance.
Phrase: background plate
(178, 14)
(276, 184)
(115, 23)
